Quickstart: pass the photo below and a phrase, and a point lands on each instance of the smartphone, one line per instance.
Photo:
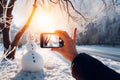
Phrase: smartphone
(50, 40)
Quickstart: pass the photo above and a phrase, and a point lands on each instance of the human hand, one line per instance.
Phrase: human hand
(68, 50)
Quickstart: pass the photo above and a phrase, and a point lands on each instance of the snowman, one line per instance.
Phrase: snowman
(32, 61)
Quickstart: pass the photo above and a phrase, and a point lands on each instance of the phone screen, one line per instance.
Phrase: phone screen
(50, 40)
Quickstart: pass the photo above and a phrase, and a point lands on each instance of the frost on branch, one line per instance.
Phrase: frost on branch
(7, 67)
(5, 19)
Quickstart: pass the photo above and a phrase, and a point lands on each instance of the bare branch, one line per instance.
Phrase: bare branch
(60, 6)
(64, 7)
(104, 3)
(55, 2)
(67, 8)
(76, 10)
(113, 2)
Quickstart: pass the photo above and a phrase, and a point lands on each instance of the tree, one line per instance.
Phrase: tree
(6, 7)
(10, 47)
(6, 17)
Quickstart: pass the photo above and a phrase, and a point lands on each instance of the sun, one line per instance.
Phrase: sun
(44, 22)
(47, 21)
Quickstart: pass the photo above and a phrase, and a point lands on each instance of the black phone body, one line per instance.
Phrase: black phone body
(50, 40)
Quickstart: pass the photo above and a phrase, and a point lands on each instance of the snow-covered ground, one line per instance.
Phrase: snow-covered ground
(55, 66)
(103, 51)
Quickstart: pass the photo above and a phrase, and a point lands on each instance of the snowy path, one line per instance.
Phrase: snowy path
(55, 67)
(106, 52)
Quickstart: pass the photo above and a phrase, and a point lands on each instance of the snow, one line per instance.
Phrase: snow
(103, 49)
(32, 61)
(55, 66)
(114, 51)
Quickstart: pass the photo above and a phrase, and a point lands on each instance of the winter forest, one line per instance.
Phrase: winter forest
(97, 20)
(104, 25)
(97, 23)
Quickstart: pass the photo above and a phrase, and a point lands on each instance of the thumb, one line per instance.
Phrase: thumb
(55, 49)
(74, 35)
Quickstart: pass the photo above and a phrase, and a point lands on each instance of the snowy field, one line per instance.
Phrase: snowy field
(55, 67)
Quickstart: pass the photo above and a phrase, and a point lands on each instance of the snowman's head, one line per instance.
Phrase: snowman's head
(31, 45)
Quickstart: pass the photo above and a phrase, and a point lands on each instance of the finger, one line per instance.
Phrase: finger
(63, 35)
(74, 35)
(55, 49)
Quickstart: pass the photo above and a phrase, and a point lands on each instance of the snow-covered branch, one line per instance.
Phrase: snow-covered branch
(6, 19)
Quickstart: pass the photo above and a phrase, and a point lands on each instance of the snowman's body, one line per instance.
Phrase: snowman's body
(32, 61)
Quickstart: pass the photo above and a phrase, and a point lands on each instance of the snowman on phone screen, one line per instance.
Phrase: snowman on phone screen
(32, 61)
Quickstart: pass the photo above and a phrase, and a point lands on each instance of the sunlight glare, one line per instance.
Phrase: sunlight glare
(45, 22)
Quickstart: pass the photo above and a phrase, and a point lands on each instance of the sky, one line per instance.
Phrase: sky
(49, 18)
(46, 19)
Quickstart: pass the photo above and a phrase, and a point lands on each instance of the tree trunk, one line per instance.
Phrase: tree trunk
(5, 29)
(5, 24)
(20, 33)
(6, 40)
